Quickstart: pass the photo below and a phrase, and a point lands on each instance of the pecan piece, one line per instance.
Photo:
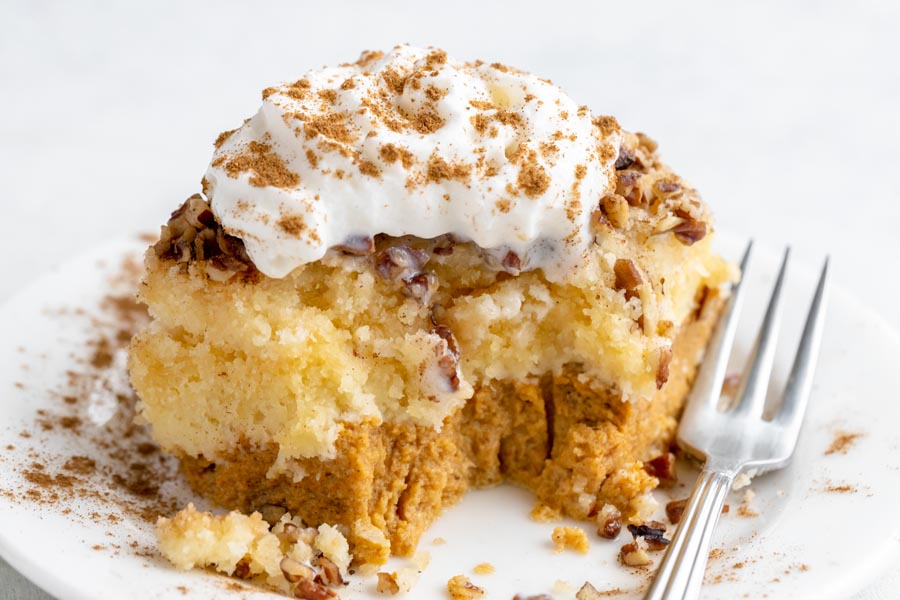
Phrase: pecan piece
(668, 186)
(615, 207)
(307, 589)
(421, 286)
(331, 574)
(448, 355)
(242, 569)
(634, 555)
(587, 592)
(445, 248)
(609, 522)
(357, 245)
(625, 158)
(662, 371)
(653, 533)
(675, 510)
(397, 263)
(689, 231)
(294, 570)
(628, 185)
(663, 468)
(512, 263)
(290, 533)
(628, 277)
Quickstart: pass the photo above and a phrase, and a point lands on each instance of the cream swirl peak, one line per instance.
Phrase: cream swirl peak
(414, 143)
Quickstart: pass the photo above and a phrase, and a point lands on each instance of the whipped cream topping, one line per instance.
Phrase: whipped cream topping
(414, 143)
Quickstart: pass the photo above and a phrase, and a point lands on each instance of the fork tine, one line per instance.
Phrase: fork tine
(754, 382)
(708, 383)
(796, 392)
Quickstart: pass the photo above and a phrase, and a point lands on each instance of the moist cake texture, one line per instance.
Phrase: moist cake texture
(369, 381)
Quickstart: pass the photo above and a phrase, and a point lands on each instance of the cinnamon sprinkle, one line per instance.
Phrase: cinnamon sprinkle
(391, 153)
(267, 168)
(842, 442)
(439, 170)
(532, 179)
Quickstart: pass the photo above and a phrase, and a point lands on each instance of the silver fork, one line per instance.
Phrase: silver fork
(738, 439)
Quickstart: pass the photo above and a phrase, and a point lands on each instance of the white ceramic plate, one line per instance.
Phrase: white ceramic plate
(806, 542)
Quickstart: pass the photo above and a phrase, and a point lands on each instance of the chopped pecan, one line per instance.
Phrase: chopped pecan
(512, 263)
(307, 589)
(242, 569)
(357, 245)
(290, 533)
(675, 510)
(193, 234)
(628, 185)
(396, 263)
(404, 264)
(421, 286)
(689, 231)
(448, 355)
(331, 574)
(662, 371)
(609, 522)
(653, 533)
(663, 468)
(625, 158)
(294, 570)
(587, 592)
(634, 555)
(628, 277)
(668, 186)
(446, 334)
(445, 248)
(615, 207)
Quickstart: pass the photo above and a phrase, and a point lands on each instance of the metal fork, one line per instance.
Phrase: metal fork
(738, 439)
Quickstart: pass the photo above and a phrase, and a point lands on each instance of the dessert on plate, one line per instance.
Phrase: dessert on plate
(409, 276)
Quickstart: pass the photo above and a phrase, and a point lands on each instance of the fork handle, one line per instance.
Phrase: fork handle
(680, 574)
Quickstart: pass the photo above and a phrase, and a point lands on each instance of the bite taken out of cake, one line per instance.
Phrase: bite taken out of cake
(409, 276)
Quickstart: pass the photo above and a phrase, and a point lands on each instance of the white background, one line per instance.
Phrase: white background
(785, 115)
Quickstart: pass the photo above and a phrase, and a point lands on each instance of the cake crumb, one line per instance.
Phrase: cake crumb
(460, 588)
(387, 584)
(292, 558)
(741, 481)
(745, 509)
(544, 514)
(484, 568)
(438, 541)
(570, 538)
